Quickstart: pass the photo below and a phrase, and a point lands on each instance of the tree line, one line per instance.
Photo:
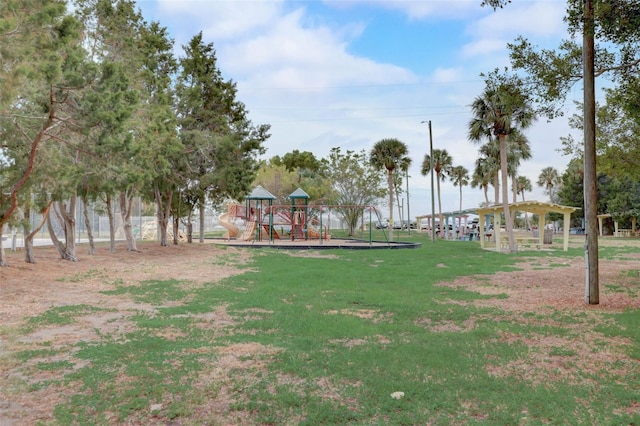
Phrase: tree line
(94, 105)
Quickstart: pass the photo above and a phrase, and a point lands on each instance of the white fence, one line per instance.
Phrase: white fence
(144, 227)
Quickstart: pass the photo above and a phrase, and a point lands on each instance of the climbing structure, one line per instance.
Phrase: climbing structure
(259, 214)
(299, 214)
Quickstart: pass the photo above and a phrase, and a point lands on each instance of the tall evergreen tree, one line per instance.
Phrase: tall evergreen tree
(40, 45)
(221, 143)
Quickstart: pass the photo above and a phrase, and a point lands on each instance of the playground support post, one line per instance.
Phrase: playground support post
(321, 209)
(370, 228)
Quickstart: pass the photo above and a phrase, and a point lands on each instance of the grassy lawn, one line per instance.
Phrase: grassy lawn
(327, 337)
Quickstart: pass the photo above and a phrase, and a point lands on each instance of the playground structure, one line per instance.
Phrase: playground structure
(262, 221)
(265, 221)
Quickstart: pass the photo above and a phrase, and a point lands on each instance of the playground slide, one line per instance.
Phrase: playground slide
(249, 232)
(313, 232)
(232, 230)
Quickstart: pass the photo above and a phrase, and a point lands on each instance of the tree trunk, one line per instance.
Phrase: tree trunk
(163, 208)
(87, 224)
(126, 207)
(514, 193)
(190, 227)
(67, 250)
(496, 187)
(201, 207)
(176, 230)
(590, 171)
(112, 225)
(3, 257)
(28, 239)
(13, 195)
(400, 216)
(505, 195)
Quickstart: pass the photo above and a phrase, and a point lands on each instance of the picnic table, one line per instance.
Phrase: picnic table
(521, 242)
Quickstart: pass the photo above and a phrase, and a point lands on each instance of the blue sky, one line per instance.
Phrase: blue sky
(348, 73)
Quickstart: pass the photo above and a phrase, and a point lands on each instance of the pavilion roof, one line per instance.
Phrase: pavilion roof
(537, 207)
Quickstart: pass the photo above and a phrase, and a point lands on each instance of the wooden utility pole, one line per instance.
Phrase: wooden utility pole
(592, 292)
(433, 203)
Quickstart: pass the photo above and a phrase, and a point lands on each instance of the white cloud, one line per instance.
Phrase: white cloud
(447, 75)
(490, 34)
(290, 55)
(535, 19)
(417, 10)
(220, 20)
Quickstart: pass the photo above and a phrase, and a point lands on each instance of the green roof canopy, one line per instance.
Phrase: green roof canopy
(299, 193)
(259, 193)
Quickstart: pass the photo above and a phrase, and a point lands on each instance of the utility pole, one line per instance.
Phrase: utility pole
(433, 201)
(406, 174)
(592, 292)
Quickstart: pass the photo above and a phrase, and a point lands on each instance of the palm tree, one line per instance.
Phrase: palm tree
(548, 179)
(404, 165)
(518, 149)
(391, 155)
(502, 109)
(460, 177)
(490, 151)
(482, 176)
(442, 163)
(523, 183)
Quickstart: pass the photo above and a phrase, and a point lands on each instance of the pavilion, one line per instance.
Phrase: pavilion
(618, 232)
(536, 207)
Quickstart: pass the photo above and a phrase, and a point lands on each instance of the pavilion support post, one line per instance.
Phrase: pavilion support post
(600, 224)
(565, 229)
(496, 229)
(481, 230)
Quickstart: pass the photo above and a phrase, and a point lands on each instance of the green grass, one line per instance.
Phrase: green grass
(339, 333)
(62, 315)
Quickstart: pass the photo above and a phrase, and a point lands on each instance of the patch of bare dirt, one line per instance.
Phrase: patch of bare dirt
(28, 290)
(556, 283)
(547, 285)
(371, 314)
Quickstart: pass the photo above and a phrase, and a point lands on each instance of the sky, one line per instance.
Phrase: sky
(348, 73)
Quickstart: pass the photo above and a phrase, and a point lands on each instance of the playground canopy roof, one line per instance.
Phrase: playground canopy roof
(299, 193)
(259, 193)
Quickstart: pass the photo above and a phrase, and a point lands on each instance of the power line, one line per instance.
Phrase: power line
(356, 86)
(304, 120)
